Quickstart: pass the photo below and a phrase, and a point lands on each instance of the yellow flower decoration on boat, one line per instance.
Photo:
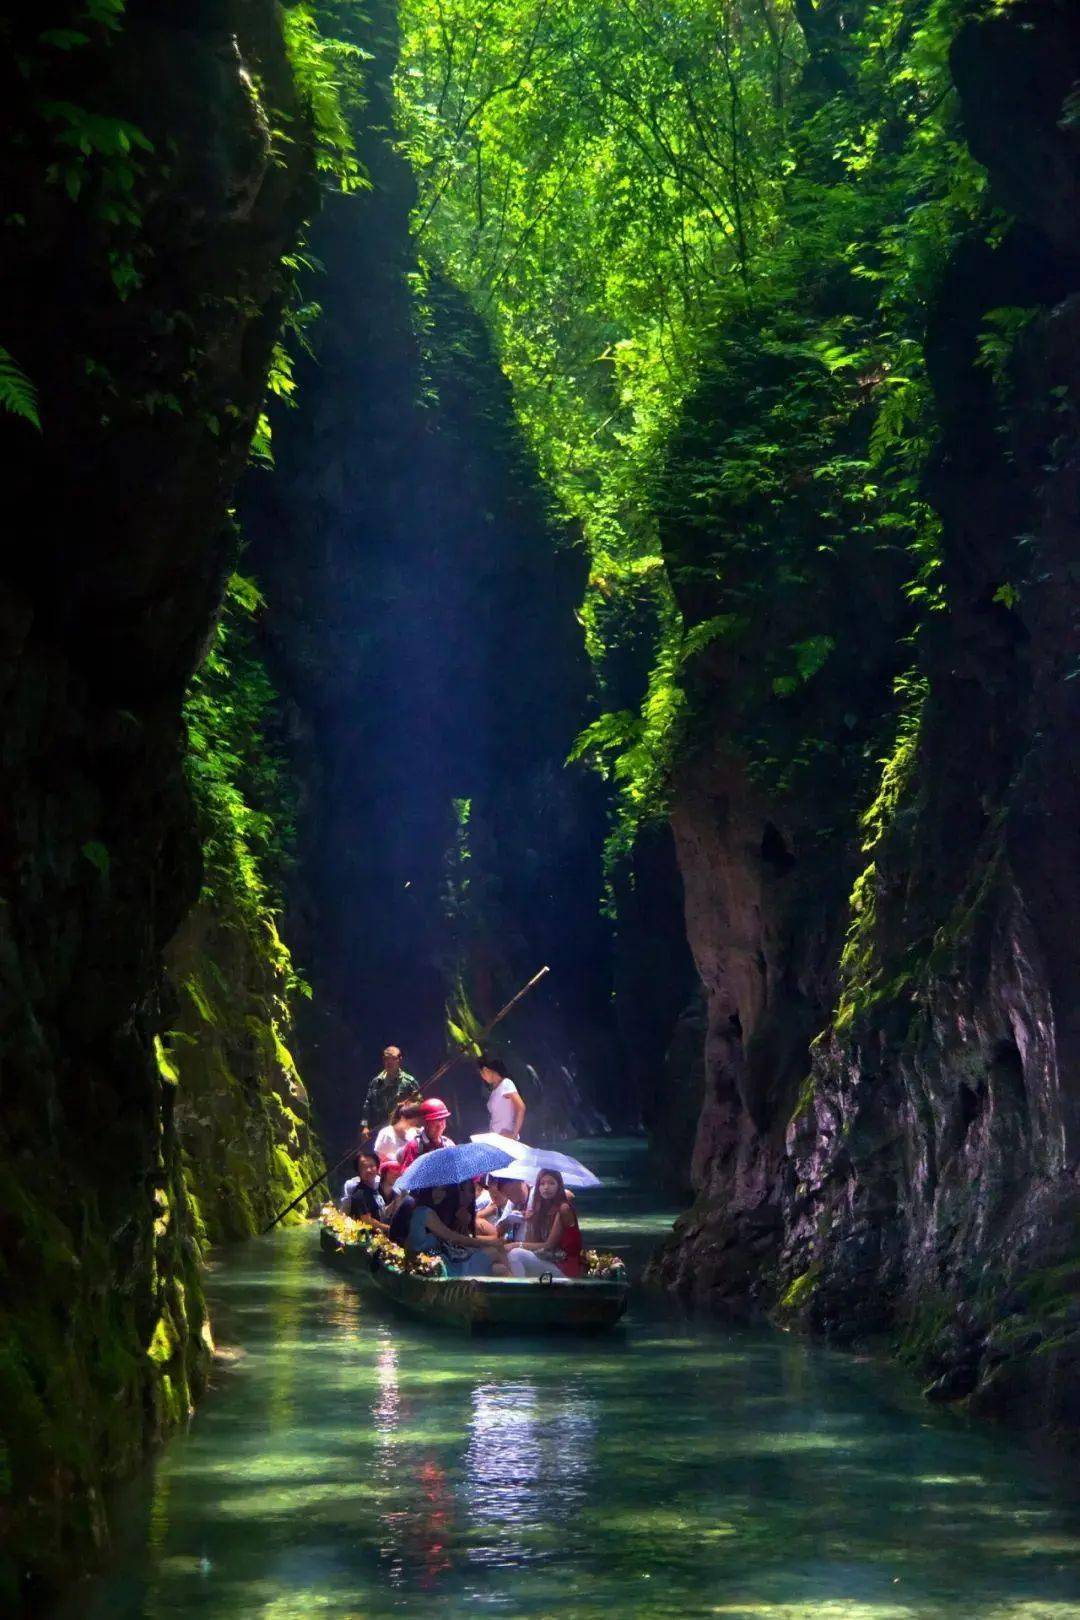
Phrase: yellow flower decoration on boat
(363, 1234)
(602, 1267)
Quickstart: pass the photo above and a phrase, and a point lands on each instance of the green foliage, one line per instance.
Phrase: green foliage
(241, 1109)
(862, 978)
(17, 392)
(592, 175)
(98, 856)
(328, 76)
(809, 655)
(95, 156)
(798, 1294)
(1001, 329)
(636, 751)
(103, 156)
(243, 794)
(706, 262)
(457, 863)
(464, 1030)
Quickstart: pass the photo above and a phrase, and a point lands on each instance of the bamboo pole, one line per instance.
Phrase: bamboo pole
(443, 1068)
(457, 1057)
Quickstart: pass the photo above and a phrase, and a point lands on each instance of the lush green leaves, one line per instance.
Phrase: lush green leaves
(328, 74)
(598, 178)
(242, 791)
(706, 261)
(17, 392)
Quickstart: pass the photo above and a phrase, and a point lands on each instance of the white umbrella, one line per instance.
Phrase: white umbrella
(530, 1173)
(532, 1160)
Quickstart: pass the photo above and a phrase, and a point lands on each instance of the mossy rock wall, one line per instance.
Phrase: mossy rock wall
(147, 340)
(242, 1110)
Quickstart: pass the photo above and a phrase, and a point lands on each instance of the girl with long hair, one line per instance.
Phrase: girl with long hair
(552, 1236)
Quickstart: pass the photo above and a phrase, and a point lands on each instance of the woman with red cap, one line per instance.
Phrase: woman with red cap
(434, 1114)
(389, 1170)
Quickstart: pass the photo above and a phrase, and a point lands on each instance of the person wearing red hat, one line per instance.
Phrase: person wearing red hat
(434, 1113)
(389, 1170)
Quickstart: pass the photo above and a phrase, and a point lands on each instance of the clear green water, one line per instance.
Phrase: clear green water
(351, 1464)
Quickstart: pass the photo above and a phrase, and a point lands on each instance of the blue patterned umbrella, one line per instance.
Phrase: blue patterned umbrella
(445, 1167)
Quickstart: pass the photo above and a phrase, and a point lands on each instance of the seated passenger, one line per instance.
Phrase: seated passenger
(434, 1115)
(484, 1208)
(507, 1213)
(400, 1219)
(467, 1216)
(404, 1126)
(432, 1231)
(360, 1196)
(389, 1171)
(552, 1237)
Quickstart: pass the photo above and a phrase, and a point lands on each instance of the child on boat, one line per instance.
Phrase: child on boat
(360, 1196)
(389, 1170)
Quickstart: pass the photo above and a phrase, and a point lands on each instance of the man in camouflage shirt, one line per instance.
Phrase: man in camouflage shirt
(391, 1085)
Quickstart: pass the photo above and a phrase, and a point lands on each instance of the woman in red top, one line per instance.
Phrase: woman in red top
(553, 1231)
(434, 1114)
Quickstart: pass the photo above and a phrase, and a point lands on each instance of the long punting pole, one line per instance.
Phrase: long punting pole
(449, 1062)
(430, 1081)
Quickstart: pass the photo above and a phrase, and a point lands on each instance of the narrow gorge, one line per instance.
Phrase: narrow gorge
(515, 484)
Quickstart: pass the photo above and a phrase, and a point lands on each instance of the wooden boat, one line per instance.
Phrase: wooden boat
(481, 1303)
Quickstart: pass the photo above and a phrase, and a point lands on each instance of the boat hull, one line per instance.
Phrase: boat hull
(485, 1303)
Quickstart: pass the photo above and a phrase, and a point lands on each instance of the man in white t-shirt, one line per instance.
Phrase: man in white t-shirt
(506, 1109)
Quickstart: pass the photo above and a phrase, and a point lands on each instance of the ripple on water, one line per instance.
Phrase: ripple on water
(351, 1463)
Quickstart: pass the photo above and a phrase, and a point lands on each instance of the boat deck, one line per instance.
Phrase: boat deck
(486, 1303)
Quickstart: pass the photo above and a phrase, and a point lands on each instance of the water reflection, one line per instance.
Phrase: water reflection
(529, 1465)
(350, 1462)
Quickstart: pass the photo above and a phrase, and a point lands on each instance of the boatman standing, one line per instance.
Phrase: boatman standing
(392, 1084)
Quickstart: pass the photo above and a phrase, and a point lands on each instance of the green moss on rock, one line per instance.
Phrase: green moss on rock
(796, 1297)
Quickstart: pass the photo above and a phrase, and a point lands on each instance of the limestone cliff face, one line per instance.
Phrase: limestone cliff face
(140, 287)
(924, 1178)
(936, 1165)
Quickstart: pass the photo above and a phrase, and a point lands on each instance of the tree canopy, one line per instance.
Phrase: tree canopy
(705, 235)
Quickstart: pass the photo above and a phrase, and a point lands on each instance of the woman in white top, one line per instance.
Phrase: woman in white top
(506, 1110)
(404, 1125)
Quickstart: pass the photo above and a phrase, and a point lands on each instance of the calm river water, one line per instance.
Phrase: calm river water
(350, 1463)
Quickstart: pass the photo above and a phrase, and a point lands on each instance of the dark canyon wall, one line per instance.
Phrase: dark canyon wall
(891, 1145)
(422, 628)
(146, 212)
